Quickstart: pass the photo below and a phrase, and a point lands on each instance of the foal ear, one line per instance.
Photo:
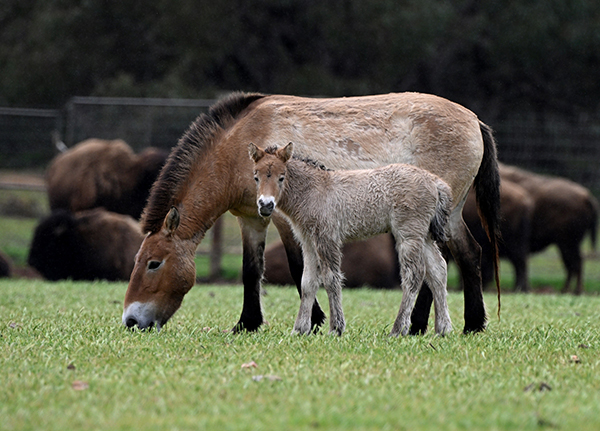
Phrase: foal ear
(255, 153)
(286, 152)
(172, 220)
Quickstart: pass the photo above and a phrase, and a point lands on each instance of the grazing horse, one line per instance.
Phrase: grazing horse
(326, 208)
(209, 173)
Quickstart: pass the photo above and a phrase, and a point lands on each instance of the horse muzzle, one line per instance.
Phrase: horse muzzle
(142, 315)
(266, 206)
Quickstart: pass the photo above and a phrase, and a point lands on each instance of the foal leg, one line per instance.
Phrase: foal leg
(254, 232)
(330, 261)
(296, 264)
(436, 276)
(310, 285)
(412, 274)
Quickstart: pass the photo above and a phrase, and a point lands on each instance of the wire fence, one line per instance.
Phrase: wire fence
(565, 146)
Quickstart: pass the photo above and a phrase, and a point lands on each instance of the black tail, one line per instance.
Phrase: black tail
(487, 193)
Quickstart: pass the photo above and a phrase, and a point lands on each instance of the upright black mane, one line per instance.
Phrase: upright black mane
(183, 157)
(311, 162)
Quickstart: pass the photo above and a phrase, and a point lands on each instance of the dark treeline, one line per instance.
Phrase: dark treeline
(492, 56)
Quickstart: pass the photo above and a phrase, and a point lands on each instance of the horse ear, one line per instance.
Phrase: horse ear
(172, 220)
(255, 153)
(286, 152)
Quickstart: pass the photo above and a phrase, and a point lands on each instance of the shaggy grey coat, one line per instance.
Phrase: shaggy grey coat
(326, 208)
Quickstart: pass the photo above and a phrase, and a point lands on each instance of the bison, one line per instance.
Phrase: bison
(517, 209)
(372, 262)
(563, 213)
(5, 265)
(99, 173)
(87, 245)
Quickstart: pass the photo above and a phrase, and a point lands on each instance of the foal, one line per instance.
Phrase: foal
(326, 208)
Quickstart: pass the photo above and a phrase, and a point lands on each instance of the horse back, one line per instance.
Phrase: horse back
(371, 131)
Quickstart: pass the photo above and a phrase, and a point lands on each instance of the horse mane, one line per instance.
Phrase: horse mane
(311, 162)
(182, 159)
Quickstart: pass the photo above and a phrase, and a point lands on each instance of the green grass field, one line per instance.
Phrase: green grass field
(67, 363)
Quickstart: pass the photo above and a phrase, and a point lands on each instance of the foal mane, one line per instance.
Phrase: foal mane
(307, 160)
(190, 147)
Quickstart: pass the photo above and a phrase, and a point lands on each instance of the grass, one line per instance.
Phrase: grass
(67, 363)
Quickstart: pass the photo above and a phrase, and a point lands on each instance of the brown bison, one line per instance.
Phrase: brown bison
(563, 213)
(5, 265)
(372, 262)
(517, 209)
(88, 245)
(99, 173)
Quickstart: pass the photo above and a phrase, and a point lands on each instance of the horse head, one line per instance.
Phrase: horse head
(164, 272)
(269, 174)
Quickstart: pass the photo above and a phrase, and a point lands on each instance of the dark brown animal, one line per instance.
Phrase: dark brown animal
(563, 213)
(88, 245)
(517, 209)
(99, 173)
(5, 265)
(372, 262)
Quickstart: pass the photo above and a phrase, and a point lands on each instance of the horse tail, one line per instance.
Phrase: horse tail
(443, 206)
(487, 194)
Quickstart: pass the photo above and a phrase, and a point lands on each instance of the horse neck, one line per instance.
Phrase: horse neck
(208, 194)
(304, 186)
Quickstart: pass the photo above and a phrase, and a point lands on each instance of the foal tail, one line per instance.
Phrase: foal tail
(438, 223)
(487, 194)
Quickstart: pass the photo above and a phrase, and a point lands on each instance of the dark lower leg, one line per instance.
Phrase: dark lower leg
(253, 243)
(467, 255)
(420, 314)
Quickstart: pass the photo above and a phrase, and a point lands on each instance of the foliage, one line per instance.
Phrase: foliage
(67, 363)
(488, 55)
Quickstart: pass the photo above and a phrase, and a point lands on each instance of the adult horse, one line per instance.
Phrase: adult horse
(209, 173)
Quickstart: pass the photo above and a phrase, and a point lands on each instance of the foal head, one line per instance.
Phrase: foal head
(269, 174)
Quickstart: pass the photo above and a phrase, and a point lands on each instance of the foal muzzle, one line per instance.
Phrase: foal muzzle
(266, 206)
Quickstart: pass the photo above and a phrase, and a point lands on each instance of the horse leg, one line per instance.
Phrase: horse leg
(310, 285)
(412, 274)
(330, 261)
(467, 255)
(420, 314)
(436, 276)
(254, 232)
(295, 262)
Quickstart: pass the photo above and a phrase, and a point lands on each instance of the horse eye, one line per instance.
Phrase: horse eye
(281, 178)
(256, 179)
(153, 265)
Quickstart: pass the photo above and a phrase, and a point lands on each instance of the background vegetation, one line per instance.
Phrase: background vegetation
(491, 56)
